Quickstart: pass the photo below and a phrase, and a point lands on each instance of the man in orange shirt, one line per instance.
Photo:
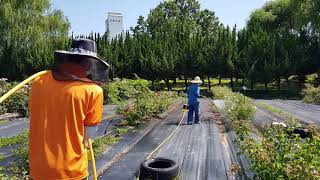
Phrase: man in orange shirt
(62, 104)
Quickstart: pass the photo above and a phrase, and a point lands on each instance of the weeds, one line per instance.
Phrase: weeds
(99, 145)
(121, 131)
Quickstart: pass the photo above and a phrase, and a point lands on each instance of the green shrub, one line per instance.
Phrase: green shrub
(276, 154)
(312, 78)
(20, 166)
(118, 91)
(221, 92)
(20, 138)
(145, 105)
(18, 102)
(283, 156)
(311, 94)
(121, 131)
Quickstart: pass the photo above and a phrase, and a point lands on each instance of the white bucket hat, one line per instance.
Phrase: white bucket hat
(196, 80)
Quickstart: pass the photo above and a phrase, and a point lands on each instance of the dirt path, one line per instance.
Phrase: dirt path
(305, 112)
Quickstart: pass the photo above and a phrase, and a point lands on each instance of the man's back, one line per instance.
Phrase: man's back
(59, 110)
(193, 94)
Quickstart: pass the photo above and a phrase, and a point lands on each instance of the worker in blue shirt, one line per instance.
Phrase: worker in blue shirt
(193, 95)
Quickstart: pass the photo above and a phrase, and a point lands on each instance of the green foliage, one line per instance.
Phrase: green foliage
(30, 31)
(18, 102)
(126, 89)
(20, 138)
(121, 131)
(99, 145)
(146, 105)
(221, 92)
(238, 108)
(311, 94)
(283, 156)
(20, 166)
(276, 154)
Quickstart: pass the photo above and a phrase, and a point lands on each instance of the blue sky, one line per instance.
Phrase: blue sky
(89, 15)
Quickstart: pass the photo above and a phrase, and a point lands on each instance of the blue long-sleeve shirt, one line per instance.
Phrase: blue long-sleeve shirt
(193, 93)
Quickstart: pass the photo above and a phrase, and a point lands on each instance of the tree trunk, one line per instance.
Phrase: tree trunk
(251, 84)
(175, 81)
(220, 81)
(152, 83)
(302, 79)
(243, 82)
(237, 80)
(231, 83)
(266, 86)
(278, 83)
(209, 83)
(186, 83)
(168, 84)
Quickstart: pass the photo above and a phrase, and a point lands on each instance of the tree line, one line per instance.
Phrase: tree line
(178, 39)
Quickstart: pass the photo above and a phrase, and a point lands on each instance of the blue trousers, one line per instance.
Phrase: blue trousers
(193, 108)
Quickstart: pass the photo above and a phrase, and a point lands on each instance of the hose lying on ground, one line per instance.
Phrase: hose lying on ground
(164, 141)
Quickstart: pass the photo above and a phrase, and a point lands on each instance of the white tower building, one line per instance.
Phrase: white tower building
(114, 24)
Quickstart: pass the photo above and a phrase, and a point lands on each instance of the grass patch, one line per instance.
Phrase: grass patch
(100, 144)
(22, 137)
(3, 121)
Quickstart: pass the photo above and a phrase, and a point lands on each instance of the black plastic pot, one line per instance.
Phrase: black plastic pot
(304, 133)
(158, 169)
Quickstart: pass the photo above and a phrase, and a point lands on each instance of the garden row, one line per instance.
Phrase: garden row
(135, 101)
(276, 154)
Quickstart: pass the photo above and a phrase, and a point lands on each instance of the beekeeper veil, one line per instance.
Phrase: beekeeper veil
(80, 63)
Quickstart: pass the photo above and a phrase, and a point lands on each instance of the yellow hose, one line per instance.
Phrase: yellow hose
(26, 81)
(92, 160)
(164, 141)
(20, 85)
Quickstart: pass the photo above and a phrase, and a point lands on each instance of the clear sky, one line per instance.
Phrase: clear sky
(86, 16)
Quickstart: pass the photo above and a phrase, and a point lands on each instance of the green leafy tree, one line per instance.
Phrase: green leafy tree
(29, 33)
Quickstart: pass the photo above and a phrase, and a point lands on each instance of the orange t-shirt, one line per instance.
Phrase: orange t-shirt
(59, 110)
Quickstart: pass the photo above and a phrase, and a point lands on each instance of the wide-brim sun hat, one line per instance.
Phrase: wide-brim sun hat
(83, 51)
(83, 47)
(196, 80)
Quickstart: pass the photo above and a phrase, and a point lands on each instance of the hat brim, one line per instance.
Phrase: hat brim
(68, 53)
(196, 82)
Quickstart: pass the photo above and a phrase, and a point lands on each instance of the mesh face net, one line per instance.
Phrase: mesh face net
(94, 69)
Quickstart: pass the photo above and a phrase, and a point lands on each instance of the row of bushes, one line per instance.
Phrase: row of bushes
(18, 102)
(119, 91)
(276, 154)
(311, 94)
(114, 92)
(145, 105)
